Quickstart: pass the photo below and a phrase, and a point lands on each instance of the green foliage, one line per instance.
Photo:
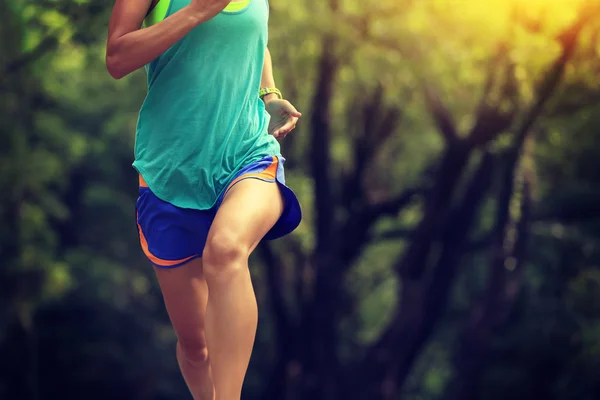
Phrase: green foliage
(80, 311)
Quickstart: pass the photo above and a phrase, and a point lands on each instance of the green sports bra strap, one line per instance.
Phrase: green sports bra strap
(158, 13)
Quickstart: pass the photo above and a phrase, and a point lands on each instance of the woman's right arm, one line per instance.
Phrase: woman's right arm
(130, 48)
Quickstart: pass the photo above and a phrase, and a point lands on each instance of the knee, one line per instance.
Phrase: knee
(193, 350)
(224, 252)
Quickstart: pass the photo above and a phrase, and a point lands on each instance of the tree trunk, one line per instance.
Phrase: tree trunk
(503, 288)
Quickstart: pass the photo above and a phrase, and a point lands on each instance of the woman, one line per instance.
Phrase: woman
(210, 170)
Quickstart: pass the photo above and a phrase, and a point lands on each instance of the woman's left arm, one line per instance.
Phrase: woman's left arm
(284, 115)
(267, 80)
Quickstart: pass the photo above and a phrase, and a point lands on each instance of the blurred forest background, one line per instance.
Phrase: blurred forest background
(448, 163)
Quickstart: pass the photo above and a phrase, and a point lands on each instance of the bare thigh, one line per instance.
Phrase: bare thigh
(185, 294)
(247, 213)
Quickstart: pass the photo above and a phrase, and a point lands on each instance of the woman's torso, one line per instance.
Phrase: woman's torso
(202, 119)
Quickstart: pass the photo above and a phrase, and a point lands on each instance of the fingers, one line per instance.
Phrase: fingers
(291, 110)
(282, 134)
(291, 115)
(294, 113)
(286, 128)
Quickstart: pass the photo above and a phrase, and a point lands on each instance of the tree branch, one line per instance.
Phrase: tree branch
(492, 121)
(301, 265)
(357, 229)
(421, 305)
(320, 159)
(320, 316)
(285, 329)
(568, 39)
(440, 114)
(481, 243)
(503, 287)
(491, 79)
(582, 210)
(394, 205)
(272, 265)
(393, 234)
(378, 125)
(437, 204)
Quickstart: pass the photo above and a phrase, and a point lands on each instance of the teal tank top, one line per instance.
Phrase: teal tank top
(202, 120)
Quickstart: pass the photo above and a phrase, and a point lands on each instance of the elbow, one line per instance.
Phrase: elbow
(115, 67)
(116, 61)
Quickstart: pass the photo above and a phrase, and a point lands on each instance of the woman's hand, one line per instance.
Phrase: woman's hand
(284, 117)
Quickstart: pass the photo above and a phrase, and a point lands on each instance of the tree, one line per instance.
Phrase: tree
(446, 166)
(470, 169)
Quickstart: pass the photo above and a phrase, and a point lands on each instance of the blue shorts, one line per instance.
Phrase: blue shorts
(171, 236)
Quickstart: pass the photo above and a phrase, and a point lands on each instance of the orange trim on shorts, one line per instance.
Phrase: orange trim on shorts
(270, 173)
(153, 258)
(142, 181)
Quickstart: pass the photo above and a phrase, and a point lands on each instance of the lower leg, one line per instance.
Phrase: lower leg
(195, 368)
(248, 211)
(231, 322)
(185, 294)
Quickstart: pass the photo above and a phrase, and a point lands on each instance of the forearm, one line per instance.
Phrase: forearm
(267, 73)
(267, 80)
(135, 49)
